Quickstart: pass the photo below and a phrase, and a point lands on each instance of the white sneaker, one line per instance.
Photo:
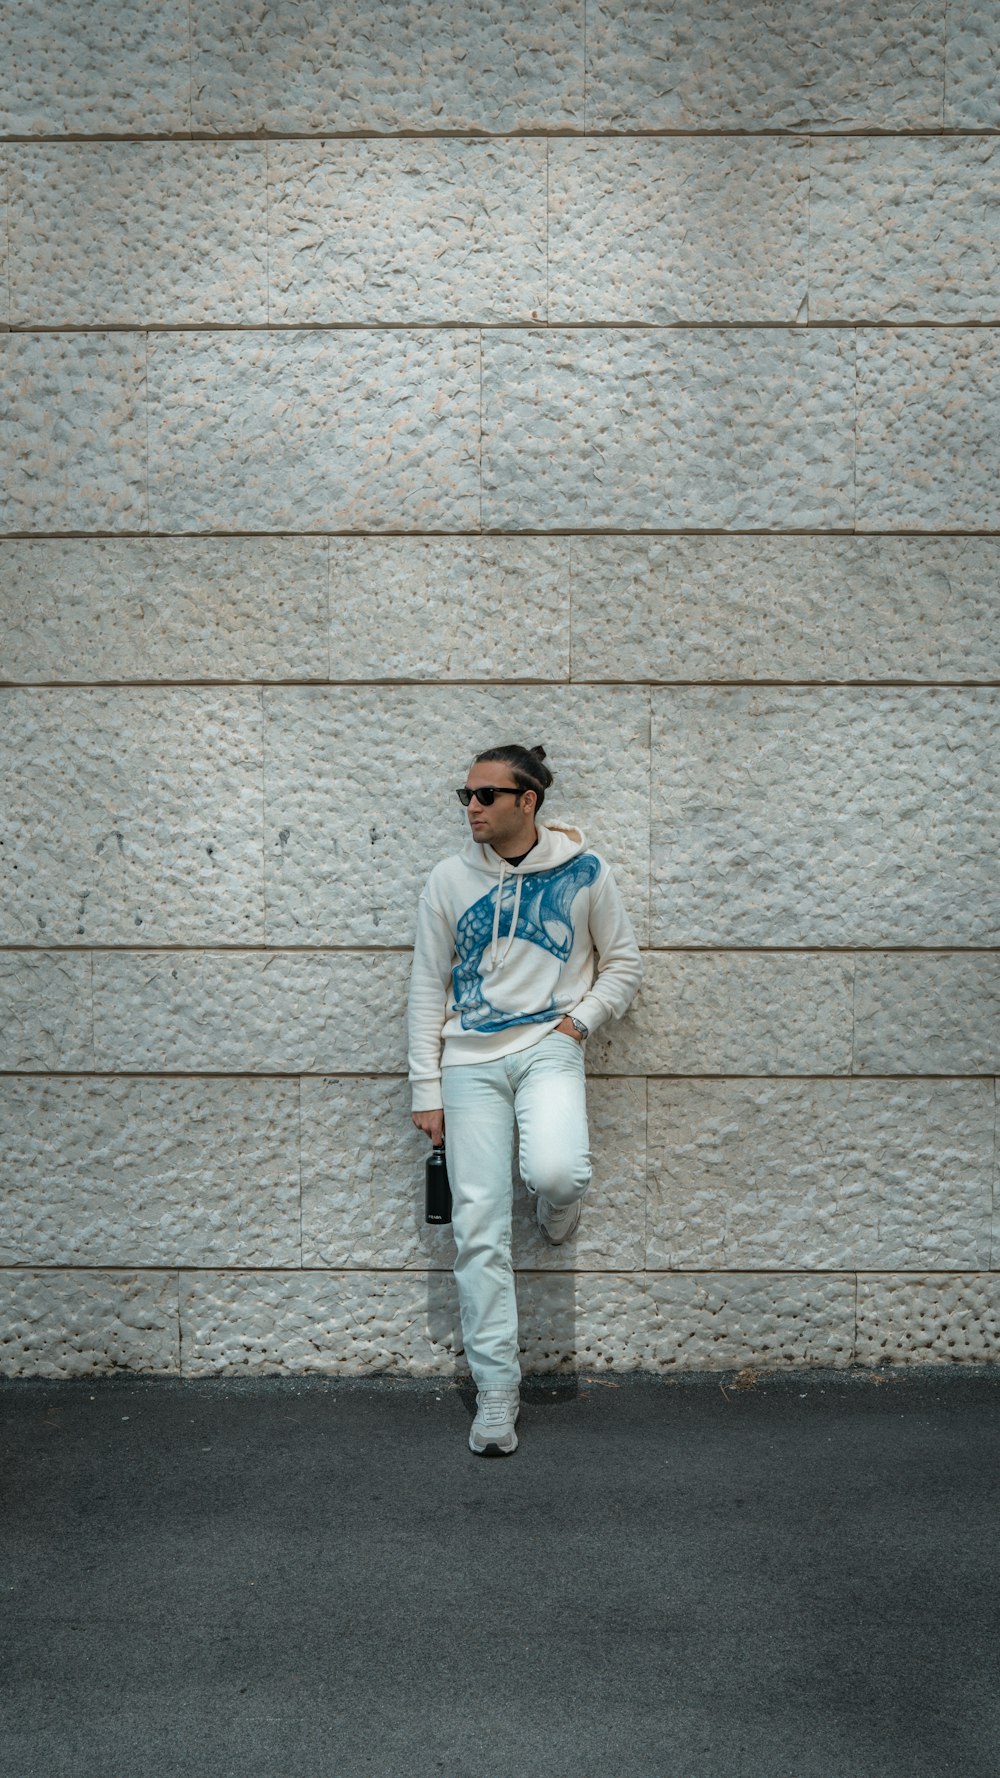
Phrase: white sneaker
(493, 1432)
(558, 1222)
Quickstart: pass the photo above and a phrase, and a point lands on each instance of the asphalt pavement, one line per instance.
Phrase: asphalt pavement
(784, 1575)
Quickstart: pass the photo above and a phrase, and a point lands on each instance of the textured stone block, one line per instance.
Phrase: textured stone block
(410, 231)
(928, 429)
(785, 607)
(779, 64)
(904, 230)
(670, 230)
(251, 1011)
(583, 1322)
(972, 86)
(820, 1175)
(938, 1319)
(305, 66)
(88, 1323)
(363, 1179)
(355, 1323)
(363, 1322)
(93, 66)
(723, 1321)
(314, 431)
(138, 233)
(699, 1013)
(927, 1014)
(149, 1172)
(733, 427)
(72, 432)
(346, 865)
(46, 1018)
(131, 815)
(696, 1013)
(363, 1183)
(99, 608)
(450, 608)
(80, 1323)
(836, 816)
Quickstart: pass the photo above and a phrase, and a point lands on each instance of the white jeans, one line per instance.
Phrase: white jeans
(544, 1088)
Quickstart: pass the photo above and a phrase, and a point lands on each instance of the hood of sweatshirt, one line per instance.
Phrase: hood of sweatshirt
(557, 844)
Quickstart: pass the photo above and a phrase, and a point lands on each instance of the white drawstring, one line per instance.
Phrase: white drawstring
(496, 914)
(495, 954)
(513, 919)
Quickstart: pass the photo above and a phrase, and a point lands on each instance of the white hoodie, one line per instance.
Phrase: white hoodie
(503, 952)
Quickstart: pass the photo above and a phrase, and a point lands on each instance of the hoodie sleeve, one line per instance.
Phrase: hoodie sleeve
(430, 977)
(619, 962)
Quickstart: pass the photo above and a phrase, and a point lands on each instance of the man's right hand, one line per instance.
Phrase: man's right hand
(432, 1124)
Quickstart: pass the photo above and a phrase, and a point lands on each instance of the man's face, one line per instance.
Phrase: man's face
(508, 820)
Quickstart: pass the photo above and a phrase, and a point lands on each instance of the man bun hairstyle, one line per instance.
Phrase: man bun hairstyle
(526, 767)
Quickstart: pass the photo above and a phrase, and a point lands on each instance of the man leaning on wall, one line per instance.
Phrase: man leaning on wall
(503, 996)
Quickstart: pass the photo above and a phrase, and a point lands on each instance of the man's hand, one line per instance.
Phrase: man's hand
(432, 1124)
(570, 1030)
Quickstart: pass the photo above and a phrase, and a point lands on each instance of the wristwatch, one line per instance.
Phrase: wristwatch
(578, 1025)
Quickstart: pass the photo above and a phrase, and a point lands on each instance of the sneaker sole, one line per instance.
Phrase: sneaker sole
(492, 1449)
(557, 1240)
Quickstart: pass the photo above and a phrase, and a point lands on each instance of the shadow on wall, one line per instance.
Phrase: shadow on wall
(552, 1298)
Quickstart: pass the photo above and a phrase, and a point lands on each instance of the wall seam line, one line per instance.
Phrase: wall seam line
(299, 1126)
(834, 533)
(145, 406)
(995, 1174)
(857, 427)
(194, 948)
(8, 253)
(570, 571)
(809, 248)
(946, 33)
(854, 1015)
(109, 1073)
(649, 818)
(267, 232)
(93, 1017)
(165, 1267)
(329, 611)
(190, 63)
(585, 65)
(456, 324)
(548, 275)
(263, 820)
(955, 1076)
(645, 1175)
(561, 683)
(792, 132)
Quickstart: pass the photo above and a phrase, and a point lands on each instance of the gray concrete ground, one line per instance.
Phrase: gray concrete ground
(792, 1576)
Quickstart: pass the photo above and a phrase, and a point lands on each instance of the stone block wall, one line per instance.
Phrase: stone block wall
(382, 381)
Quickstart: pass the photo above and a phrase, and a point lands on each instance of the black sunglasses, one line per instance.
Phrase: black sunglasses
(486, 793)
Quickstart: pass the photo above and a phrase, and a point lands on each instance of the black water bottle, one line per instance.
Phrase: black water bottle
(437, 1191)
